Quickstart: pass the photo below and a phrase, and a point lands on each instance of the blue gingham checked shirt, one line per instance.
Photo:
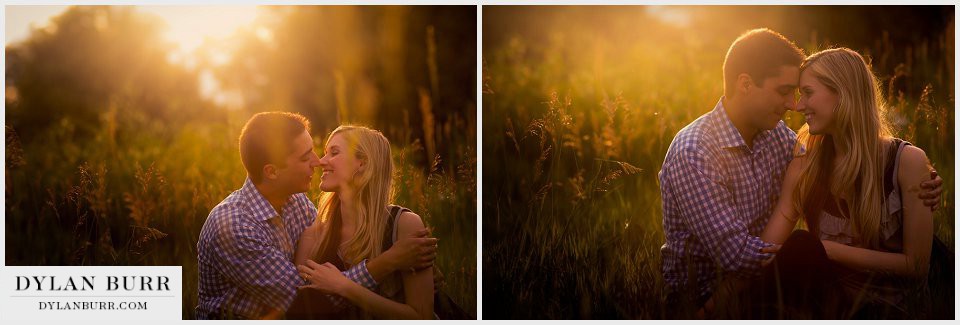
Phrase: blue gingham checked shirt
(717, 197)
(246, 260)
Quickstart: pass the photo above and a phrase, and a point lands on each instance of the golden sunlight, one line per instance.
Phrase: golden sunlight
(186, 26)
(674, 15)
(189, 26)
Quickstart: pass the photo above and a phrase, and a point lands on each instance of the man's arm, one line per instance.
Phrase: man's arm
(359, 274)
(416, 252)
(708, 210)
(408, 253)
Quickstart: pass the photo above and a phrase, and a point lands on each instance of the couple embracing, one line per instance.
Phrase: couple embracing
(736, 182)
(267, 251)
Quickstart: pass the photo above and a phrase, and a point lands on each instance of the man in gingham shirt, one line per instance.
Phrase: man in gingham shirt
(722, 173)
(247, 243)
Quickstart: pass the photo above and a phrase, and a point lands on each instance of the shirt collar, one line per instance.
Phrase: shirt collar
(727, 133)
(261, 208)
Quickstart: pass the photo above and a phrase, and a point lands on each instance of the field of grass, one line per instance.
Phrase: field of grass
(579, 108)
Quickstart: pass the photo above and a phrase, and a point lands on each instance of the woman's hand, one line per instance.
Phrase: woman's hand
(326, 278)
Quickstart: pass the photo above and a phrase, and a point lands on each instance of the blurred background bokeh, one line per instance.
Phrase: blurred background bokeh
(122, 122)
(581, 103)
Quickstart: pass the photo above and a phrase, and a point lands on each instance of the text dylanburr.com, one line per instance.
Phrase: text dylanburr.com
(91, 292)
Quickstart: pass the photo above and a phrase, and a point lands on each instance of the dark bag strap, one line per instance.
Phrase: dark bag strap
(395, 211)
(888, 175)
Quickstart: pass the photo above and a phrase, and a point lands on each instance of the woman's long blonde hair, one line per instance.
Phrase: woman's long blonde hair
(860, 129)
(373, 189)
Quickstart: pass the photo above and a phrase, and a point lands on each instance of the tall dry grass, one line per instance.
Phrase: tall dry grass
(138, 194)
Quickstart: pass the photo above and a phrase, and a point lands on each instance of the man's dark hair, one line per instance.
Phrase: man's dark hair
(267, 138)
(759, 53)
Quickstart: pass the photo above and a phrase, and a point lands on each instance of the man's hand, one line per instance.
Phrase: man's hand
(413, 253)
(930, 191)
(772, 249)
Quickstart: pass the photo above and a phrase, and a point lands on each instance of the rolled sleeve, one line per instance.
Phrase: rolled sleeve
(358, 274)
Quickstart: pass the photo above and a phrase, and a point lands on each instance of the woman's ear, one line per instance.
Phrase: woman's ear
(359, 171)
(363, 165)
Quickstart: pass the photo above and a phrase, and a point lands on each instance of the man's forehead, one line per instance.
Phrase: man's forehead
(787, 76)
(304, 140)
(788, 71)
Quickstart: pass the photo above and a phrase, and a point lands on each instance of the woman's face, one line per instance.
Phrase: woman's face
(338, 164)
(818, 103)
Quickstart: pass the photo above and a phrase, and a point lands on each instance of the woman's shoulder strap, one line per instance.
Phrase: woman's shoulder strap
(892, 163)
(390, 232)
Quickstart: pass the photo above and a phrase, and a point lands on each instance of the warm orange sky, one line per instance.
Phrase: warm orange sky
(187, 26)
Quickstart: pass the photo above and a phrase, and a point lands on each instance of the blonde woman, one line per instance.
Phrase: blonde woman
(856, 189)
(356, 223)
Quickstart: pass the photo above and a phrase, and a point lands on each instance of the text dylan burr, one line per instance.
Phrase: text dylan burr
(89, 283)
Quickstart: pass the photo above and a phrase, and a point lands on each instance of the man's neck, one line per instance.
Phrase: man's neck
(276, 198)
(736, 115)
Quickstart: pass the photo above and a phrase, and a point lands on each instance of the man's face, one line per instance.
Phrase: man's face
(766, 102)
(300, 165)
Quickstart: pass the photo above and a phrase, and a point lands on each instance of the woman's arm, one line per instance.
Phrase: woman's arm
(305, 245)
(784, 217)
(779, 226)
(917, 227)
(417, 286)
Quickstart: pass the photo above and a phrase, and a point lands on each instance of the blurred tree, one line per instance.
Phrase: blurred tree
(374, 65)
(92, 65)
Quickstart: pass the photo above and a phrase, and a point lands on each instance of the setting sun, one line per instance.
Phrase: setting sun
(188, 27)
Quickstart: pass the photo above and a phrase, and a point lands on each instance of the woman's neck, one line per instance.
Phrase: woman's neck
(348, 210)
(839, 149)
